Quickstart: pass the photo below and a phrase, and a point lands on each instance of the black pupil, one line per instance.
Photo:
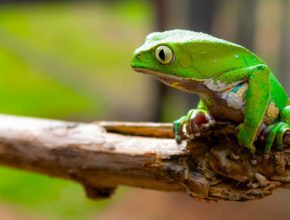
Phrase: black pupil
(162, 55)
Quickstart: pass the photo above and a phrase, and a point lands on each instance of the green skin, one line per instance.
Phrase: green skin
(202, 64)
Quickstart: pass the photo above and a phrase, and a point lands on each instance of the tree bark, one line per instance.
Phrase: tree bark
(103, 155)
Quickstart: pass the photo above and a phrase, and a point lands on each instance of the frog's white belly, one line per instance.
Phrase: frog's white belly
(236, 97)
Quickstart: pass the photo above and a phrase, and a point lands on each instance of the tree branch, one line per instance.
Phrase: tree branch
(103, 155)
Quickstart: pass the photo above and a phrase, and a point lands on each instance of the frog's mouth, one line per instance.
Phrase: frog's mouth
(159, 74)
(179, 82)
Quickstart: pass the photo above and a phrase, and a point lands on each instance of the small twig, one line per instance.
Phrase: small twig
(164, 130)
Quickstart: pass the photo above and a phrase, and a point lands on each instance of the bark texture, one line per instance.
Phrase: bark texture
(103, 155)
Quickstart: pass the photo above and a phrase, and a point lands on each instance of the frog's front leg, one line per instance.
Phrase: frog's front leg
(192, 121)
(257, 98)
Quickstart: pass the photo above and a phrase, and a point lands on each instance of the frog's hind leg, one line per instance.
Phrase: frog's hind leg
(277, 131)
(285, 114)
(280, 135)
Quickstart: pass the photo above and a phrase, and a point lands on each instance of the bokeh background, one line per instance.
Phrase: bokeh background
(70, 60)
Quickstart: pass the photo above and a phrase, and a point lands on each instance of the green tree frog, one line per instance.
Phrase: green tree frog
(233, 83)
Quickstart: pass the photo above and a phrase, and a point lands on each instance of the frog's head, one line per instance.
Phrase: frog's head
(179, 54)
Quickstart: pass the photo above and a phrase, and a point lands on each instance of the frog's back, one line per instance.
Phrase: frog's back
(186, 36)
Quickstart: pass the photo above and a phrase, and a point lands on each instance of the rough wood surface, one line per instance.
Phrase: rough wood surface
(103, 155)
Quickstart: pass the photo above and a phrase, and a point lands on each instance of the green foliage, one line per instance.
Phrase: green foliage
(24, 90)
(60, 61)
(54, 197)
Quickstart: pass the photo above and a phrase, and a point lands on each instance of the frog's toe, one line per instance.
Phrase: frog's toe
(177, 128)
(192, 127)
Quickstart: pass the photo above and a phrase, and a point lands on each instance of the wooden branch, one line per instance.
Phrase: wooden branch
(103, 155)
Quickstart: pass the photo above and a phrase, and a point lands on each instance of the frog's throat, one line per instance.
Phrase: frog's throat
(179, 82)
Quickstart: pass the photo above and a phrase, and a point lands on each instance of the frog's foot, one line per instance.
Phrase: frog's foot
(276, 131)
(190, 124)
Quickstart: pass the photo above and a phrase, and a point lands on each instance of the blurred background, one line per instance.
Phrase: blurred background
(70, 60)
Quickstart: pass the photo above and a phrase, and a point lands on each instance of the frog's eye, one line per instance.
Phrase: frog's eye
(164, 55)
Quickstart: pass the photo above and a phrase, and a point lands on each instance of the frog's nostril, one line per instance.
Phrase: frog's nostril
(139, 55)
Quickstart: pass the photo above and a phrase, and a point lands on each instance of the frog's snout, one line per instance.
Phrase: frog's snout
(137, 56)
(136, 60)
